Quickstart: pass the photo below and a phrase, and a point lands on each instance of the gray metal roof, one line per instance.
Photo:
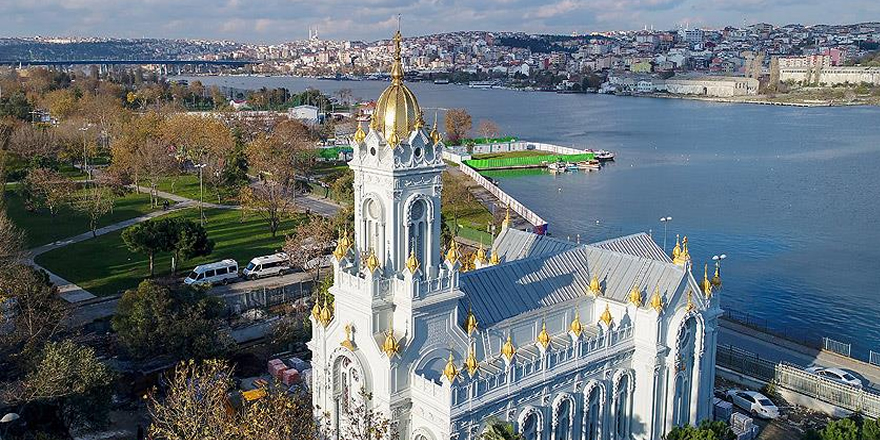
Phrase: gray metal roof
(513, 244)
(639, 245)
(514, 287)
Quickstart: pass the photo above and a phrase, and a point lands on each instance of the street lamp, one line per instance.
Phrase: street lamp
(716, 280)
(665, 221)
(84, 129)
(200, 166)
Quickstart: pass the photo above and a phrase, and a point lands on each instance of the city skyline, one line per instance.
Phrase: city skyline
(277, 21)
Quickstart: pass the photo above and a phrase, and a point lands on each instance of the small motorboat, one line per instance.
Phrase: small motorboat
(589, 165)
(557, 167)
(603, 155)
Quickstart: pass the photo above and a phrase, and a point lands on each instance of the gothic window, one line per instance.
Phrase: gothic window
(346, 386)
(418, 229)
(530, 427)
(622, 412)
(373, 228)
(562, 420)
(592, 406)
(684, 365)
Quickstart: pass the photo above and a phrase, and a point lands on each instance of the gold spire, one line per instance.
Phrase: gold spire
(676, 251)
(576, 326)
(606, 316)
(435, 134)
(494, 259)
(635, 295)
(316, 312)
(326, 316)
(391, 346)
(470, 323)
(657, 300)
(471, 363)
(508, 349)
(595, 287)
(347, 343)
(343, 244)
(412, 263)
(707, 284)
(359, 135)
(689, 306)
(450, 371)
(506, 222)
(544, 337)
(372, 261)
(452, 253)
(480, 256)
(397, 111)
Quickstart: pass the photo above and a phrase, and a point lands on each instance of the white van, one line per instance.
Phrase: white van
(213, 273)
(267, 265)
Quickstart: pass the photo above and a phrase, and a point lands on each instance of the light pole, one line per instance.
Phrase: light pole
(84, 129)
(665, 221)
(200, 166)
(716, 280)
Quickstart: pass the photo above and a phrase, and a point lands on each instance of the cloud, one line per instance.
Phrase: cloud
(284, 20)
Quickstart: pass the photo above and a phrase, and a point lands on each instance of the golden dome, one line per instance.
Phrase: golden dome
(471, 362)
(508, 349)
(412, 263)
(452, 253)
(576, 326)
(606, 316)
(716, 280)
(359, 135)
(595, 287)
(494, 259)
(676, 251)
(435, 134)
(544, 337)
(450, 371)
(316, 312)
(480, 256)
(635, 296)
(707, 284)
(343, 244)
(657, 300)
(372, 261)
(326, 316)
(684, 255)
(391, 346)
(397, 111)
(470, 323)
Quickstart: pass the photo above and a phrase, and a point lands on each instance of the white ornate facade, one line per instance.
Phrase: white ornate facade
(613, 340)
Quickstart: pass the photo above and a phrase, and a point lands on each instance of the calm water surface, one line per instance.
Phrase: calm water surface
(791, 195)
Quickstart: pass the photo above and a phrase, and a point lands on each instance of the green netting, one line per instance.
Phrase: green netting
(332, 152)
(524, 161)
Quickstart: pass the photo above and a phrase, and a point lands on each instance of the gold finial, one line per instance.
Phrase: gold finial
(316, 312)
(471, 363)
(347, 343)
(420, 121)
(480, 256)
(544, 337)
(397, 65)
(412, 263)
(684, 255)
(716, 280)
(470, 323)
(676, 251)
(342, 246)
(494, 259)
(372, 261)
(451, 372)
(326, 315)
(359, 135)
(452, 253)
(595, 287)
(606, 316)
(435, 134)
(393, 139)
(635, 295)
(707, 284)
(576, 326)
(391, 347)
(657, 300)
(508, 349)
(506, 222)
(689, 306)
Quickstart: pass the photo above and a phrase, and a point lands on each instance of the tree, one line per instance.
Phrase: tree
(70, 378)
(706, 431)
(94, 201)
(140, 152)
(309, 242)
(488, 129)
(189, 239)
(11, 242)
(37, 311)
(206, 142)
(146, 238)
(153, 320)
(279, 416)
(364, 423)
(498, 430)
(458, 124)
(270, 200)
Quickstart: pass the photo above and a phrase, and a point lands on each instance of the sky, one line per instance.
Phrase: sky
(272, 21)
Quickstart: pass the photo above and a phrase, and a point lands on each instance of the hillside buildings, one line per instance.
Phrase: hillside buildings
(565, 341)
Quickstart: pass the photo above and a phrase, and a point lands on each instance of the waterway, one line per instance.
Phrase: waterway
(790, 195)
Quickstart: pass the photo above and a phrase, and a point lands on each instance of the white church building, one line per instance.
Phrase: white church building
(604, 341)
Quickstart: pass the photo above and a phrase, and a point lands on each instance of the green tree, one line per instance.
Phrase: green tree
(37, 312)
(844, 429)
(706, 431)
(146, 238)
(188, 239)
(498, 430)
(153, 320)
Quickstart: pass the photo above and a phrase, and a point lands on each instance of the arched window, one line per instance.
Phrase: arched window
(562, 419)
(684, 371)
(373, 226)
(622, 410)
(418, 229)
(530, 427)
(347, 385)
(592, 413)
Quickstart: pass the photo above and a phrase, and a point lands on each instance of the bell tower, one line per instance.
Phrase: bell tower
(397, 167)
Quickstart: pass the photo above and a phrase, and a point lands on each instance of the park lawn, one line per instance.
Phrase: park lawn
(187, 185)
(503, 155)
(42, 228)
(104, 266)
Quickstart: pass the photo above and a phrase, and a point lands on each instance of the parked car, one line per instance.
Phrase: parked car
(213, 273)
(837, 375)
(267, 265)
(757, 404)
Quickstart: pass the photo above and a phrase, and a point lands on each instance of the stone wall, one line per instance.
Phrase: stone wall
(830, 76)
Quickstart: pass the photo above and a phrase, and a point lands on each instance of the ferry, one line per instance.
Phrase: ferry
(482, 84)
(589, 165)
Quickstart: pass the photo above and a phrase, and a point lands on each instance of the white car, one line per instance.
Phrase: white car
(213, 273)
(757, 404)
(837, 375)
(267, 265)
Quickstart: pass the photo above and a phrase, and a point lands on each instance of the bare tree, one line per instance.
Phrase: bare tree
(488, 129)
(458, 124)
(270, 200)
(11, 241)
(47, 188)
(94, 201)
(309, 242)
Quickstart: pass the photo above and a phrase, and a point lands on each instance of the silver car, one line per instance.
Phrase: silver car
(757, 404)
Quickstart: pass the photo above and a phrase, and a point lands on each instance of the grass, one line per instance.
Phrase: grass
(505, 155)
(104, 266)
(187, 185)
(42, 228)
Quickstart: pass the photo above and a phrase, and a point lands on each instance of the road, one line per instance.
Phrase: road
(776, 349)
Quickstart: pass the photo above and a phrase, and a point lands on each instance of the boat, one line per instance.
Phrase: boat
(482, 84)
(441, 81)
(557, 167)
(589, 165)
(603, 155)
